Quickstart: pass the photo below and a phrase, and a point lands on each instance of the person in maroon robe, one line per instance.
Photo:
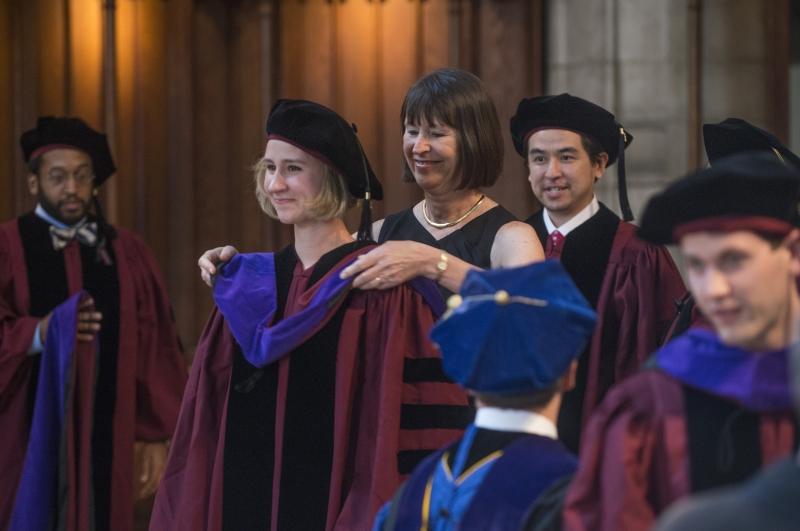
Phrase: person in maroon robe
(568, 143)
(453, 149)
(308, 401)
(131, 393)
(713, 406)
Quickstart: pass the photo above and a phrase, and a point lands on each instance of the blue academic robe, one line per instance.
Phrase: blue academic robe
(493, 493)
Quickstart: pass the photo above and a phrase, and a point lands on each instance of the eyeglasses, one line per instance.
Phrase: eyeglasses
(82, 177)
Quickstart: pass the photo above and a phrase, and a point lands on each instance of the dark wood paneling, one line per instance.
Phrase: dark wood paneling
(400, 36)
(246, 126)
(183, 87)
(435, 32)
(358, 75)
(84, 59)
(7, 141)
(211, 108)
(130, 181)
(48, 80)
(778, 18)
(152, 128)
(504, 65)
(535, 46)
(189, 297)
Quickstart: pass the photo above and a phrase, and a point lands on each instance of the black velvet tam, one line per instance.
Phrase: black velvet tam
(52, 132)
(754, 187)
(567, 112)
(325, 135)
(735, 135)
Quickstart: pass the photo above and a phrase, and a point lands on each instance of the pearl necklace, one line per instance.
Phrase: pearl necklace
(446, 224)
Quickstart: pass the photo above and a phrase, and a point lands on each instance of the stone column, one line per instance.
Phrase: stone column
(632, 57)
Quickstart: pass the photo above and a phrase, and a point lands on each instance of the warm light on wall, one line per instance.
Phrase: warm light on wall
(86, 60)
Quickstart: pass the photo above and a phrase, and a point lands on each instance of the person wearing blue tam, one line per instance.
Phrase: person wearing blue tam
(714, 405)
(511, 338)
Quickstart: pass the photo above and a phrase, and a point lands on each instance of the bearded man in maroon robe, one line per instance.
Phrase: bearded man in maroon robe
(110, 361)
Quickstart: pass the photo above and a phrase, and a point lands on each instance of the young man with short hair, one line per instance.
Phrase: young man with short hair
(568, 143)
(713, 406)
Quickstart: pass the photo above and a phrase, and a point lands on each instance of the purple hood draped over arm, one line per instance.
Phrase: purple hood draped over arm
(246, 295)
(37, 490)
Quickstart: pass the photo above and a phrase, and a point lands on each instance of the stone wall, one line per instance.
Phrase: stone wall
(633, 57)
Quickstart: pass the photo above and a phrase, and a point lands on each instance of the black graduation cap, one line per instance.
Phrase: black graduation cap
(325, 135)
(565, 111)
(748, 191)
(52, 133)
(735, 135)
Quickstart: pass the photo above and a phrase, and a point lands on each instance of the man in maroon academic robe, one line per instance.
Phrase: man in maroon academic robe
(713, 406)
(134, 388)
(568, 143)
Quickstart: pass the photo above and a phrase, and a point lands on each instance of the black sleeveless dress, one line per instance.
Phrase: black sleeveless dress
(471, 243)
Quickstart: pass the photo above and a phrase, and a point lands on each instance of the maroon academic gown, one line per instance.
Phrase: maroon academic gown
(381, 332)
(636, 457)
(633, 286)
(150, 368)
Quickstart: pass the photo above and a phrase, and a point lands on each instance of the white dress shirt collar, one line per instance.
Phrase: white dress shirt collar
(576, 221)
(494, 418)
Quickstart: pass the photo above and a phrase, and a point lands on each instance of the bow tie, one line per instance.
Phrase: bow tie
(85, 233)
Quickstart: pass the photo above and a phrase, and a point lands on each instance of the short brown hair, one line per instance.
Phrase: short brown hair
(592, 148)
(535, 400)
(458, 99)
(332, 202)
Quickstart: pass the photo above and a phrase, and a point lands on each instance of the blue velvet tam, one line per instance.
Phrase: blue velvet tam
(514, 331)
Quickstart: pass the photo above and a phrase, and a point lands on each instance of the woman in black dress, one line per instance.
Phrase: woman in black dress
(453, 148)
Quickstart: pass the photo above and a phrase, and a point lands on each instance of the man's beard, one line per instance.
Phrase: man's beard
(55, 209)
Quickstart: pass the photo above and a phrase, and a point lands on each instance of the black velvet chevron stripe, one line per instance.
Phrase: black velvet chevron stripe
(426, 417)
(407, 460)
(418, 370)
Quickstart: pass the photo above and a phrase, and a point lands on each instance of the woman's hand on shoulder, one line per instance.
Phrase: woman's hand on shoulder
(391, 264)
(516, 244)
(212, 259)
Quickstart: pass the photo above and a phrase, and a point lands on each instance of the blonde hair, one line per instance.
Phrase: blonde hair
(332, 202)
